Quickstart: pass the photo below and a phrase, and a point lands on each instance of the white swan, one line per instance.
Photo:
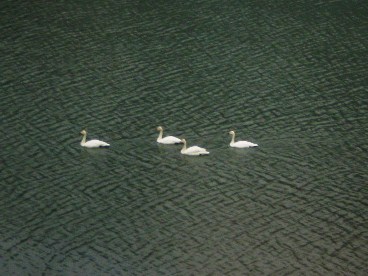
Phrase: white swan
(195, 150)
(168, 139)
(92, 143)
(240, 144)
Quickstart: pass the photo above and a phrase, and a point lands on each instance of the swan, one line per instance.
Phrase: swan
(240, 144)
(195, 150)
(92, 143)
(168, 139)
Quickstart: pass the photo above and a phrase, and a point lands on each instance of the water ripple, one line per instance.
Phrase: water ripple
(288, 77)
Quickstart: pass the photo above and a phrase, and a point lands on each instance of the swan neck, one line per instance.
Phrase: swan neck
(184, 146)
(233, 138)
(84, 139)
(160, 134)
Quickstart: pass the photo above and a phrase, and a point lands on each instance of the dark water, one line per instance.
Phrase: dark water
(288, 75)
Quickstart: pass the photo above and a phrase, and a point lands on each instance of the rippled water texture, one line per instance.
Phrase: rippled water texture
(290, 76)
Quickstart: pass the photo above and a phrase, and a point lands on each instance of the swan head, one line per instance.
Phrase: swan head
(83, 132)
(231, 132)
(159, 128)
(183, 141)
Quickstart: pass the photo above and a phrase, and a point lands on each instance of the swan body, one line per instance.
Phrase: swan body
(240, 144)
(168, 140)
(92, 143)
(194, 150)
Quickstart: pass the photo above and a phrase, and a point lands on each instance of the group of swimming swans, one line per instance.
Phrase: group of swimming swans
(170, 140)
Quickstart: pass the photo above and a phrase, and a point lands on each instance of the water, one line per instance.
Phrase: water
(290, 77)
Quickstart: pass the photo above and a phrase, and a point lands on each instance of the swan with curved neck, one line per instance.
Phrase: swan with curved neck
(240, 144)
(194, 150)
(168, 140)
(92, 143)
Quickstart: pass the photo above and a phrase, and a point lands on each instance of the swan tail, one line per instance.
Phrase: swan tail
(105, 146)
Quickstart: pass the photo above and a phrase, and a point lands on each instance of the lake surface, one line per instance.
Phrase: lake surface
(290, 76)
